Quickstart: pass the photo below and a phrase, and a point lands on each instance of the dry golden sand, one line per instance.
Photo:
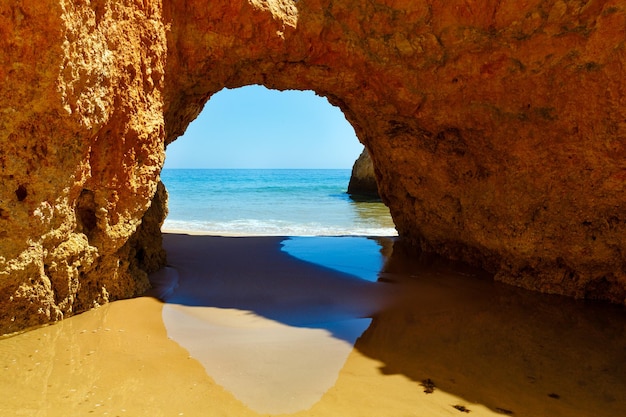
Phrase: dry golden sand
(481, 347)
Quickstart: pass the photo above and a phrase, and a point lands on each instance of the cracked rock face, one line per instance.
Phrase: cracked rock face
(497, 130)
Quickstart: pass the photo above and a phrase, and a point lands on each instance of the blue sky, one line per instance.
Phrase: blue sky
(253, 127)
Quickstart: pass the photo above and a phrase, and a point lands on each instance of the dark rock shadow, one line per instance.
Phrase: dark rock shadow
(253, 274)
(511, 350)
(514, 351)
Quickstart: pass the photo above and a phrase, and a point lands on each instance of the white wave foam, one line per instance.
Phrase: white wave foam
(254, 227)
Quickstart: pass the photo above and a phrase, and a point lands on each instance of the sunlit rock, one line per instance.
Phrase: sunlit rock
(496, 129)
(81, 132)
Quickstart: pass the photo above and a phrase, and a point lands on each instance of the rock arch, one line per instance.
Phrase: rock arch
(496, 130)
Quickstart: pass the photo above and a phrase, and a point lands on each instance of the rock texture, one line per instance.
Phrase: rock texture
(496, 128)
(81, 136)
(362, 183)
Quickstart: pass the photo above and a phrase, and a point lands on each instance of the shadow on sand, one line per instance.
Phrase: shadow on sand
(445, 327)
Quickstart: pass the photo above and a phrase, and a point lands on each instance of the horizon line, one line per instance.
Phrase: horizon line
(234, 168)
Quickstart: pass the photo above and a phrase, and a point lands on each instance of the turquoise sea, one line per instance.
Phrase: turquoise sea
(270, 202)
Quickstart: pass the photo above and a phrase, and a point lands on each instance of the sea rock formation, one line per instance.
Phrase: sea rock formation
(81, 136)
(496, 129)
(362, 183)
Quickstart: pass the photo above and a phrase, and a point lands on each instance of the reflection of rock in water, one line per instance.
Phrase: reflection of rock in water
(495, 345)
(386, 246)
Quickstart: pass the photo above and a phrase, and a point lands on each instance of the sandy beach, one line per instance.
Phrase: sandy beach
(243, 328)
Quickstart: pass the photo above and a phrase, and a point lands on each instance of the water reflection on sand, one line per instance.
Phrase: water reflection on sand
(277, 330)
(448, 328)
(272, 330)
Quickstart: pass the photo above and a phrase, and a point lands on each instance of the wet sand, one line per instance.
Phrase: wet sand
(247, 329)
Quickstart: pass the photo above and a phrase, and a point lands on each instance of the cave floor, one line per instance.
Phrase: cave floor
(269, 326)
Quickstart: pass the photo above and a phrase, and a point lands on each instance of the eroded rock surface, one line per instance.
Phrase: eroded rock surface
(496, 128)
(81, 136)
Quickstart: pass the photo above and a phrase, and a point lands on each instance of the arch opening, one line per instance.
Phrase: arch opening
(258, 161)
(285, 179)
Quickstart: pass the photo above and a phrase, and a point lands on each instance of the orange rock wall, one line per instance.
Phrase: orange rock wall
(497, 129)
(81, 137)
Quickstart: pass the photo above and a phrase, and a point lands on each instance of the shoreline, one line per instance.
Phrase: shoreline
(195, 232)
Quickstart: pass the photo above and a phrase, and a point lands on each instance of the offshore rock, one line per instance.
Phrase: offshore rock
(362, 183)
(496, 129)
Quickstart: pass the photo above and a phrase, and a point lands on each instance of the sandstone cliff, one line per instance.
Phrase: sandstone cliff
(496, 128)
(81, 133)
(362, 183)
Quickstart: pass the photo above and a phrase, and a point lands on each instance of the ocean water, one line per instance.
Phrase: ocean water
(270, 202)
